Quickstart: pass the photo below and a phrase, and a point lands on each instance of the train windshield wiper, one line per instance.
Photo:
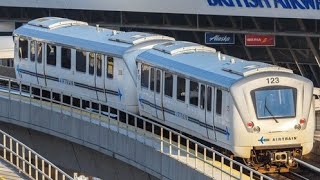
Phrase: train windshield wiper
(266, 108)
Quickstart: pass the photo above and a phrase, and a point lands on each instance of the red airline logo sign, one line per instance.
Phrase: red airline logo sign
(260, 40)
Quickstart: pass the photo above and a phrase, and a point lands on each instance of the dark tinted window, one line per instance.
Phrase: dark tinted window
(209, 98)
(81, 61)
(181, 88)
(110, 67)
(158, 85)
(91, 63)
(66, 58)
(219, 102)
(194, 93)
(145, 76)
(32, 50)
(152, 79)
(23, 48)
(168, 87)
(39, 52)
(99, 64)
(202, 96)
(51, 54)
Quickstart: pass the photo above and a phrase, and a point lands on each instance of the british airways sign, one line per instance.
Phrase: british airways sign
(219, 38)
(277, 4)
(303, 9)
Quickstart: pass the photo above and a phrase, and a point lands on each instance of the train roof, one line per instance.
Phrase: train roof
(80, 35)
(204, 63)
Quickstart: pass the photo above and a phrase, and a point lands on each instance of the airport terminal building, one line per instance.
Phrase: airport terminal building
(281, 32)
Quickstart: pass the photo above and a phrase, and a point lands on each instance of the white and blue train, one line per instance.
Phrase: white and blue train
(260, 112)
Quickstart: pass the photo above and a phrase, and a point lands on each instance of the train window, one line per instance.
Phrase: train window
(152, 79)
(219, 102)
(145, 76)
(66, 99)
(202, 96)
(81, 61)
(51, 54)
(168, 86)
(76, 102)
(23, 48)
(32, 50)
(91, 63)
(181, 88)
(110, 67)
(158, 81)
(99, 64)
(66, 58)
(39, 52)
(209, 98)
(194, 93)
(276, 102)
(56, 97)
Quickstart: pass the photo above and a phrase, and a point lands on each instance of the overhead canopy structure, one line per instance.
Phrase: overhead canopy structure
(6, 47)
(306, 9)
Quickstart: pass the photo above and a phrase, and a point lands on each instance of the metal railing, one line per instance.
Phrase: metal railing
(28, 161)
(163, 139)
(313, 168)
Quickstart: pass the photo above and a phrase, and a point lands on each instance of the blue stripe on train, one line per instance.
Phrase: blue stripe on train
(191, 119)
(75, 83)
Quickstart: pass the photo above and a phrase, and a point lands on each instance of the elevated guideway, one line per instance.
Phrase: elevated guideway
(139, 142)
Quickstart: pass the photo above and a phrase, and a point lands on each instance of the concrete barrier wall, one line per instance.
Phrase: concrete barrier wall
(74, 157)
(96, 137)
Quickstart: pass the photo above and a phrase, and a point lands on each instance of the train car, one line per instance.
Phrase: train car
(260, 112)
(256, 111)
(73, 57)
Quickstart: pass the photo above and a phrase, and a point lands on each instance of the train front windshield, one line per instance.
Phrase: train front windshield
(275, 102)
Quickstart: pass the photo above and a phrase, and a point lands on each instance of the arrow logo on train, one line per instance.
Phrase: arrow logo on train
(119, 94)
(262, 140)
(19, 71)
(227, 133)
(140, 101)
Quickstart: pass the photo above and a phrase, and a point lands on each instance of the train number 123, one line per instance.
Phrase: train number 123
(273, 80)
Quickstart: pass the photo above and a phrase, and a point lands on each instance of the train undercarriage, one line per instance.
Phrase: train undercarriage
(273, 160)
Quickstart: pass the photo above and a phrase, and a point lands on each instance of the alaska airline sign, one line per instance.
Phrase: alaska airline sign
(277, 4)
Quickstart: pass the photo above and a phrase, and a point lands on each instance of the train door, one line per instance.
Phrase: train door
(209, 119)
(145, 89)
(168, 99)
(39, 63)
(25, 64)
(158, 94)
(195, 115)
(100, 77)
(220, 126)
(33, 65)
(91, 77)
(152, 92)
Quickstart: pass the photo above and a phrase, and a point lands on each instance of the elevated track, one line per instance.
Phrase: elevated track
(128, 137)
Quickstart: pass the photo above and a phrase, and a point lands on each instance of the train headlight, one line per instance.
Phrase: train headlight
(297, 127)
(256, 129)
(250, 124)
(302, 121)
